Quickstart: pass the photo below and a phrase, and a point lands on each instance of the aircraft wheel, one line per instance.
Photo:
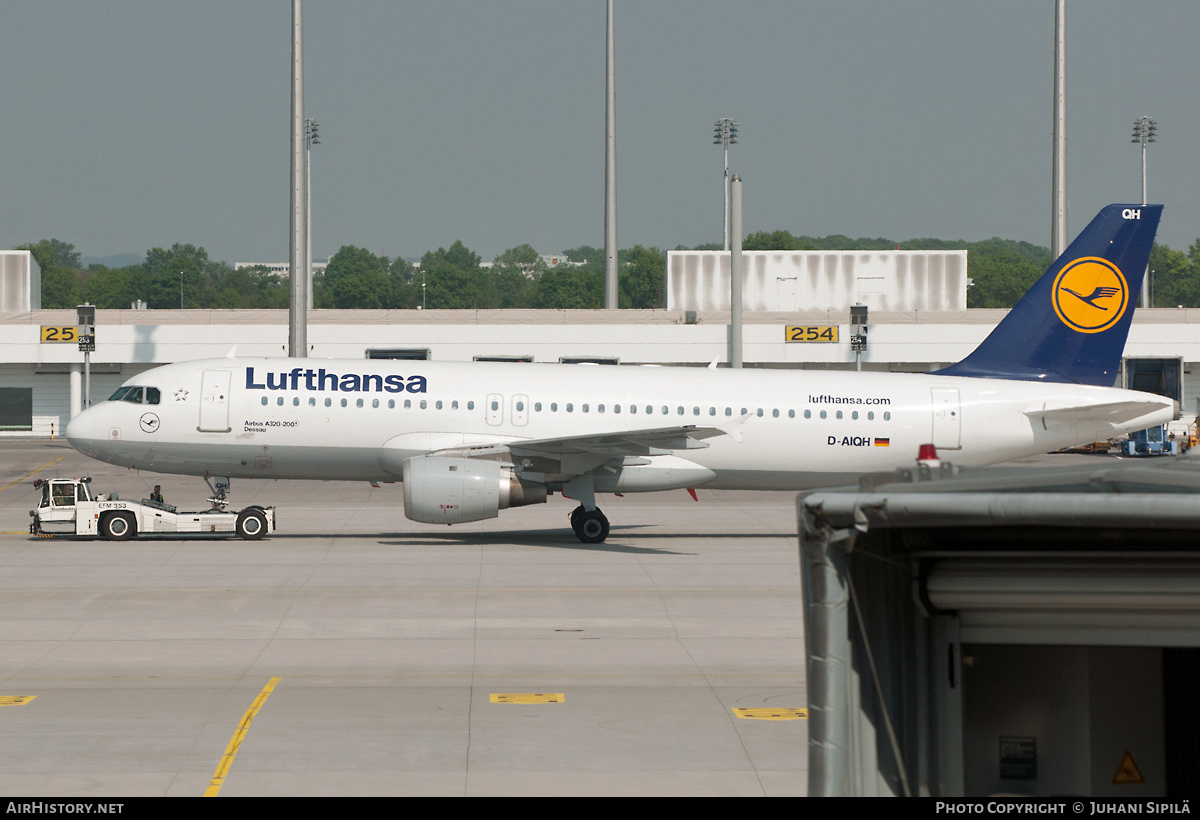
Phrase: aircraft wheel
(592, 527)
(118, 527)
(251, 524)
(576, 514)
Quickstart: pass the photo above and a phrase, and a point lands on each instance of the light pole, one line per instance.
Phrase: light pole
(1144, 129)
(725, 134)
(311, 138)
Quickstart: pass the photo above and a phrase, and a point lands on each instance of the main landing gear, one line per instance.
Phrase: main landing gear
(590, 527)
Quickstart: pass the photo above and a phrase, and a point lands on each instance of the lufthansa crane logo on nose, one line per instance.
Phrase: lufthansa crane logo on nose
(149, 422)
(1090, 295)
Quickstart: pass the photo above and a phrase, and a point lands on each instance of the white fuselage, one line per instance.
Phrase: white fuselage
(359, 419)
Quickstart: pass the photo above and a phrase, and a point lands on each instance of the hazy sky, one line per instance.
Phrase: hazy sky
(129, 125)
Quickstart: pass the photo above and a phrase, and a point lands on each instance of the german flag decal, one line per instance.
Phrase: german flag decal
(883, 442)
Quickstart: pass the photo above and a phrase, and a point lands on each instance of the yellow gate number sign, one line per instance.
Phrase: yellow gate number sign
(812, 333)
(59, 334)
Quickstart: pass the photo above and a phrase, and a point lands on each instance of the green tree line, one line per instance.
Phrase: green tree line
(1002, 270)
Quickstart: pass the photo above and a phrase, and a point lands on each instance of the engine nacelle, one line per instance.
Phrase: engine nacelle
(455, 490)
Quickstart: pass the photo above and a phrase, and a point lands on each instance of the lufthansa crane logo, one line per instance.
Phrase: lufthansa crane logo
(1090, 295)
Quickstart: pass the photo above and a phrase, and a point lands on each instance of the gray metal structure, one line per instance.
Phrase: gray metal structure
(610, 170)
(736, 277)
(298, 257)
(1083, 581)
(1058, 163)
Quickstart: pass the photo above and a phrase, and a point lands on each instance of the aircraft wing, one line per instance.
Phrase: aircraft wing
(1116, 412)
(576, 455)
(615, 445)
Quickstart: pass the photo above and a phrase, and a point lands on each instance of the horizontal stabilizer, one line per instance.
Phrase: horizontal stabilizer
(1117, 412)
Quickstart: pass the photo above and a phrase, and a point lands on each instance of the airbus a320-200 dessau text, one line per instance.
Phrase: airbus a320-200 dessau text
(470, 439)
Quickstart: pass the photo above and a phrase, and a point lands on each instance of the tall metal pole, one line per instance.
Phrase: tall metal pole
(610, 174)
(311, 138)
(725, 133)
(735, 275)
(725, 185)
(1058, 171)
(298, 305)
(308, 215)
(1144, 129)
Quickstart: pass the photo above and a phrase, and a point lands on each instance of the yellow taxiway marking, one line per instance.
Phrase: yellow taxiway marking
(27, 475)
(771, 714)
(528, 697)
(235, 742)
(15, 700)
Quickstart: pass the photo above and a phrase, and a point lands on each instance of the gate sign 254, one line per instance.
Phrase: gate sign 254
(812, 333)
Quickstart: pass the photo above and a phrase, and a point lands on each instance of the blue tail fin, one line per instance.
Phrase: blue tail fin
(1072, 324)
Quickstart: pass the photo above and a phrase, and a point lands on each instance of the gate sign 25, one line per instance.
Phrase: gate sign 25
(59, 334)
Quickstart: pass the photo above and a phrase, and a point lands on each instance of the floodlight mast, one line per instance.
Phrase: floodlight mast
(1144, 129)
(725, 134)
(311, 138)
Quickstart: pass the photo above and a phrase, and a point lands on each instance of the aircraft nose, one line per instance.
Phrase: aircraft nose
(81, 432)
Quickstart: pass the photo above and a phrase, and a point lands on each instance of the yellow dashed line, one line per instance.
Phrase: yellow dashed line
(27, 475)
(235, 742)
(771, 714)
(15, 700)
(528, 697)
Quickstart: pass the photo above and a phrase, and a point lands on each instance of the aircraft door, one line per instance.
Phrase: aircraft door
(495, 409)
(214, 401)
(947, 418)
(520, 410)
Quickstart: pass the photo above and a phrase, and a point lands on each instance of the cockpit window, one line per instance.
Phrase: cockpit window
(136, 395)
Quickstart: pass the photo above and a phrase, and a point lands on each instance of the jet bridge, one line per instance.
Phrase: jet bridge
(1020, 630)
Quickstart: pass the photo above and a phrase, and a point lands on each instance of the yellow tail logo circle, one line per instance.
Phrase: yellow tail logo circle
(1090, 294)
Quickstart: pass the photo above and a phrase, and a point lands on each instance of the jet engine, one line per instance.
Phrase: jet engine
(440, 490)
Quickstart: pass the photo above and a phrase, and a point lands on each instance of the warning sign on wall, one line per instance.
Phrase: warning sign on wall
(1127, 772)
